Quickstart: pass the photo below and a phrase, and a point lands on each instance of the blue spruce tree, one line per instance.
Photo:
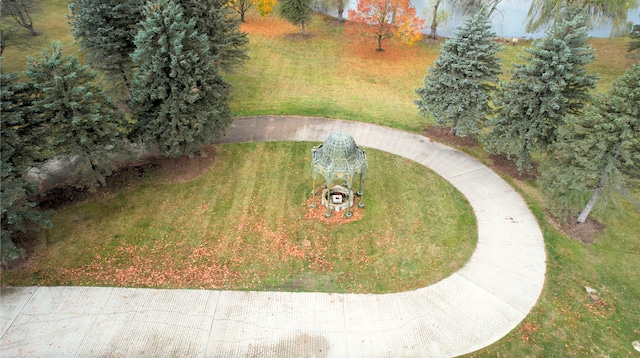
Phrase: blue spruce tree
(457, 90)
(180, 100)
(550, 85)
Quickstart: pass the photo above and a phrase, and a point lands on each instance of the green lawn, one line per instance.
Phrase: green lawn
(330, 76)
(246, 223)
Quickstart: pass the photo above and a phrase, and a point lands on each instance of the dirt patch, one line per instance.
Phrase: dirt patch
(585, 232)
(441, 134)
(174, 170)
(507, 166)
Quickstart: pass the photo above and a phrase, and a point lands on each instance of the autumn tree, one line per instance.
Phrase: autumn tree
(216, 20)
(81, 123)
(105, 30)
(384, 19)
(597, 151)
(297, 12)
(21, 11)
(242, 6)
(180, 100)
(457, 89)
(543, 12)
(552, 83)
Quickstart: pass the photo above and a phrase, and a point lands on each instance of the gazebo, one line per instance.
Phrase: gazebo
(339, 160)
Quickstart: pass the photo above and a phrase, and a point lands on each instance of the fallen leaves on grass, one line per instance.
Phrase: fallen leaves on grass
(267, 26)
(527, 332)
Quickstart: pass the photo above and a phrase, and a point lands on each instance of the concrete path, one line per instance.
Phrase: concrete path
(469, 310)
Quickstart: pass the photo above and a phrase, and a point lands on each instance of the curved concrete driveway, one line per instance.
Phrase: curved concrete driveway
(467, 311)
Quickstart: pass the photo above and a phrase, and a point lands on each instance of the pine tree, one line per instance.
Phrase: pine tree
(297, 12)
(80, 120)
(596, 151)
(634, 44)
(21, 147)
(105, 30)
(457, 90)
(217, 20)
(179, 98)
(550, 85)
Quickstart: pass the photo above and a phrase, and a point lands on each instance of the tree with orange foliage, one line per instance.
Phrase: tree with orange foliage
(242, 6)
(384, 19)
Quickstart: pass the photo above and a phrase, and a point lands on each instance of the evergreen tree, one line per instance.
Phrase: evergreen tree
(596, 149)
(80, 120)
(105, 30)
(550, 85)
(217, 20)
(457, 90)
(297, 12)
(21, 148)
(634, 44)
(179, 98)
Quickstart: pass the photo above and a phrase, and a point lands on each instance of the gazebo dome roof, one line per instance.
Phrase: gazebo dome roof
(338, 156)
(339, 145)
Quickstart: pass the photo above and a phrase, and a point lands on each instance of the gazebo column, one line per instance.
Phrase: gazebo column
(348, 214)
(327, 214)
(361, 187)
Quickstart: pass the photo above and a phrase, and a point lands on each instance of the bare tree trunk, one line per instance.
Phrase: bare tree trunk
(591, 203)
(304, 32)
(434, 22)
(127, 87)
(453, 130)
(20, 11)
(341, 4)
(494, 5)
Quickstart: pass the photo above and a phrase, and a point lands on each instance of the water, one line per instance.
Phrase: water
(508, 19)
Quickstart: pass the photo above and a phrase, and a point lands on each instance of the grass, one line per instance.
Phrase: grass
(51, 25)
(328, 75)
(246, 224)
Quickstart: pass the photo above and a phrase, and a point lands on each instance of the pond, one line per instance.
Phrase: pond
(508, 20)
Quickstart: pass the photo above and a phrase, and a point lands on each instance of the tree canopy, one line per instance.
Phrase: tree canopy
(596, 152)
(634, 44)
(384, 19)
(242, 6)
(81, 122)
(297, 12)
(215, 18)
(105, 30)
(180, 100)
(457, 90)
(21, 145)
(552, 83)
